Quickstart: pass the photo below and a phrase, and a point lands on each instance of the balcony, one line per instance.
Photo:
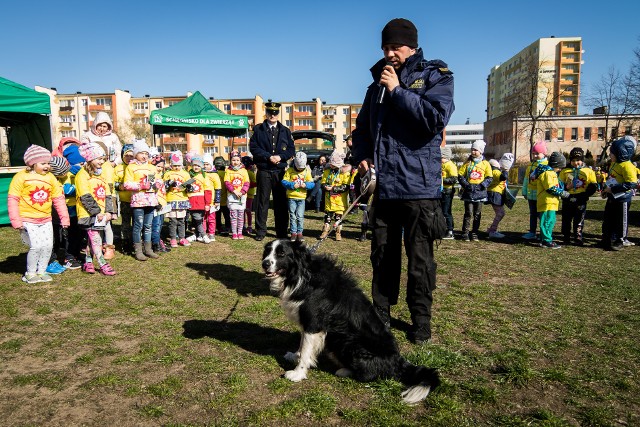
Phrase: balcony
(99, 107)
(329, 130)
(327, 117)
(237, 141)
(140, 111)
(300, 127)
(302, 114)
(242, 112)
(172, 139)
(66, 109)
(66, 125)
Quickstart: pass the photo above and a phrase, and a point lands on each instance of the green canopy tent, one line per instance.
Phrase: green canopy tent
(25, 115)
(196, 115)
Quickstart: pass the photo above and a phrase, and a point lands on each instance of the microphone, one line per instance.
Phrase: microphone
(382, 90)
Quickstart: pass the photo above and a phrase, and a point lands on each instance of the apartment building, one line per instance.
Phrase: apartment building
(73, 114)
(551, 66)
(462, 136)
(510, 134)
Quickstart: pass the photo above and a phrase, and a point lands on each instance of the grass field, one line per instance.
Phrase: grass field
(523, 336)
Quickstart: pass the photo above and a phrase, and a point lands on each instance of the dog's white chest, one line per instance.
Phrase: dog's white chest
(292, 310)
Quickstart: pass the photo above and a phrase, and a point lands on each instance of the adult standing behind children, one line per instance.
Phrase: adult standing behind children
(102, 130)
(271, 146)
(399, 129)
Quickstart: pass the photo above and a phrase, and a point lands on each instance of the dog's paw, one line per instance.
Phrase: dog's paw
(343, 373)
(292, 357)
(295, 375)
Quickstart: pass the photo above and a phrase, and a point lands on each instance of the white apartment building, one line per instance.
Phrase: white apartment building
(462, 136)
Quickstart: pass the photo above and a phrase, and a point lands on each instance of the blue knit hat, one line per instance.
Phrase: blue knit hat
(72, 154)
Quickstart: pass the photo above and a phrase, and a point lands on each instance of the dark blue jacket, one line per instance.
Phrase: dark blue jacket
(262, 147)
(403, 134)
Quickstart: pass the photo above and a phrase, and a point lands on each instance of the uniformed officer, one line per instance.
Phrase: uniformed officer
(271, 146)
(399, 130)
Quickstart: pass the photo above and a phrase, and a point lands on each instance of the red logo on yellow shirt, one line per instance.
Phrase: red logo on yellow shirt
(195, 187)
(475, 175)
(237, 182)
(100, 192)
(40, 196)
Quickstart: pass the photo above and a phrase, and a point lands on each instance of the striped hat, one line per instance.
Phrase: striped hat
(59, 166)
(36, 154)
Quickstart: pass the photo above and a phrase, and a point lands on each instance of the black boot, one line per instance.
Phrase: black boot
(363, 235)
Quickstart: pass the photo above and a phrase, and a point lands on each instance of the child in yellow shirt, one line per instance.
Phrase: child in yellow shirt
(297, 180)
(474, 177)
(549, 190)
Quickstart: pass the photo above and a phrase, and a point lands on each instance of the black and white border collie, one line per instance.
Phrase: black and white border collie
(336, 316)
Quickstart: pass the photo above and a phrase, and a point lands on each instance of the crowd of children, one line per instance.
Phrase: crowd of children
(64, 205)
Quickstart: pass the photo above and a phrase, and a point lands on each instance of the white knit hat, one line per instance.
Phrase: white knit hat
(300, 160)
(506, 161)
(140, 146)
(494, 163)
(479, 145)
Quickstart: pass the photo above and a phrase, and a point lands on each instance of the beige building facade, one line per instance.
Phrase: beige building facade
(551, 64)
(510, 134)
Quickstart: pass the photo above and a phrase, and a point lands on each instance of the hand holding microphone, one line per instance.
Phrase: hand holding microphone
(388, 81)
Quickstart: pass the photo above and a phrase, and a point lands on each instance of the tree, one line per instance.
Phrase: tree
(614, 96)
(131, 128)
(533, 97)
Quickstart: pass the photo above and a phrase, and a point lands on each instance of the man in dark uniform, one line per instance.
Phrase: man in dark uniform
(271, 145)
(399, 130)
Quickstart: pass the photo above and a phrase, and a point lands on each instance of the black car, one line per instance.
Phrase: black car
(314, 154)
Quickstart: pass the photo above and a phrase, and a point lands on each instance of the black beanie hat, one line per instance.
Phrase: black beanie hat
(557, 160)
(576, 153)
(400, 31)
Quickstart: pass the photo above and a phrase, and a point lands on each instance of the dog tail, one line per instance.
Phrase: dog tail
(420, 379)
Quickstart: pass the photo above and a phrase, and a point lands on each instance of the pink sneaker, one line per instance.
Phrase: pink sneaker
(240, 236)
(107, 270)
(88, 267)
(234, 237)
(174, 243)
(185, 242)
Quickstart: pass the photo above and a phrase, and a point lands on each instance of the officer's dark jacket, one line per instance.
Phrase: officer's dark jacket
(403, 134)
(262, 147)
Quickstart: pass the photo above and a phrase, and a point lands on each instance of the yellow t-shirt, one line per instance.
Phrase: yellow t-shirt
(449, 170)
(95, 186)
(180, 177)
(303, 176)
(478, 173)
(214, 184)
(36, 193)
(547, 201)
(118, 171)
(336, 202)
(252, 184)
(497, 185)
(579, 177)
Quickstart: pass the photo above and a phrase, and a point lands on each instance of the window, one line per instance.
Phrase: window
(103, 101)
(245, 106)
(560, 134)
(170, 103)
(306, 108)
(227, 150)
(345, 111)
(587, 134)
(345, 125)
(158, 104)
(226, 107)
(305, 122)
(67, 103)
(614, 133)
(627, 130)
(574, 134)
(287, 109)
(600, 134)
(68, 119)
(547, 134)
(85, 102)
(140, 106)
(287, 123)
(68, 133)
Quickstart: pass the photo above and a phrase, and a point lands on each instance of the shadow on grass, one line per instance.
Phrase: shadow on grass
(14, 264)
(245, 283)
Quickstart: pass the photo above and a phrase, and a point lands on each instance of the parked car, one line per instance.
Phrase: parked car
(314, 154)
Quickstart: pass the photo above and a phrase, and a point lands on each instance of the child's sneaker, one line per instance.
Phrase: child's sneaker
(465, 237)
(240, 236)
(529, 236)
(294, 237)
(496, 235)
(72, 264)
(550, 245)
(88, 268)
(164, 247)
(474, 237)
(200, 239)
(205, 239)
(185, 242)
(300, 238)
(45, 278)
(234, 237)
(191, 238)
(55, 268)
(212, 237)
(249, 230)
(173, 243)
(107, 270)
(31, 278)
(448, 236)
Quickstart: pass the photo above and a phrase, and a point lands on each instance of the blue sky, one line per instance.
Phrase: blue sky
(288, 50)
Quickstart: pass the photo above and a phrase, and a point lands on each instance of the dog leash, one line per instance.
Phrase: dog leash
(368, 187)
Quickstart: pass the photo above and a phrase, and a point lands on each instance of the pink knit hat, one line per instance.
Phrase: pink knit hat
(91, 151)
(539, 147)
(36, 154)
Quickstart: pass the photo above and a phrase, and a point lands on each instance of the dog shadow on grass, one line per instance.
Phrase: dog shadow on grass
(254, 338)
(245, 283)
